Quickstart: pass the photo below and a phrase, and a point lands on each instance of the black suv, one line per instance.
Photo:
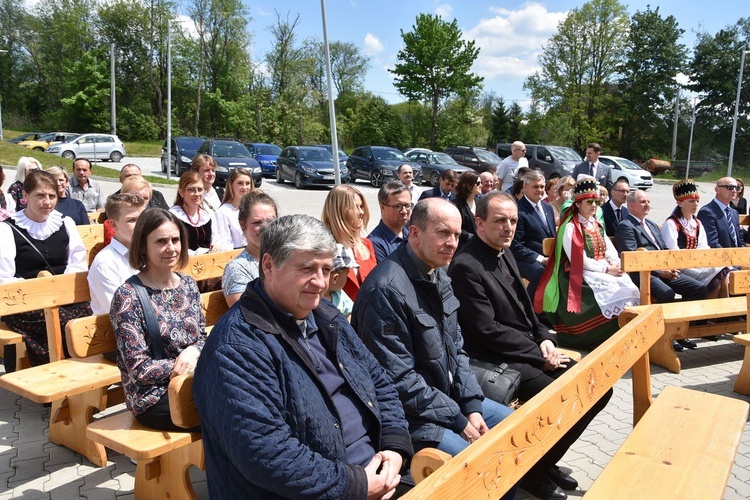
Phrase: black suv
(479, 159)
(553, 161)
(229, 155)
(182, 152)
(378, 164)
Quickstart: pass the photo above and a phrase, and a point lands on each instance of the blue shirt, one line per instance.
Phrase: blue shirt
(385, 241)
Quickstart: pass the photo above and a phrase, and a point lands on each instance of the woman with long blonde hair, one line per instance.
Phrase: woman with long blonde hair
(346, 215)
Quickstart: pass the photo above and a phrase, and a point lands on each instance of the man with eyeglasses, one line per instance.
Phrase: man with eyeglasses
(720, 221)
(616, 210)
(506, 170)
(395, 209)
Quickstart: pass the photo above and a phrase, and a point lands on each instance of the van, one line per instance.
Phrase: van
(553, 161)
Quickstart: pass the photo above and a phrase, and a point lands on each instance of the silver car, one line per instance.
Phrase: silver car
(622, 167)
(90, 146)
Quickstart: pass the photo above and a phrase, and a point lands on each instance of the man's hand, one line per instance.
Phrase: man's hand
(553, 359)
(669, 274)
(475, 429)
(544, 261)
(381, 478)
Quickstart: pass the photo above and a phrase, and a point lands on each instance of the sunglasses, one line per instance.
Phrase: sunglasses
(592, 201)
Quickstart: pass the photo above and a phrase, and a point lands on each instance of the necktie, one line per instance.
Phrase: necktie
(541, 216)
(618, 214)
(592, 169)
(650, 234)
(732, 231)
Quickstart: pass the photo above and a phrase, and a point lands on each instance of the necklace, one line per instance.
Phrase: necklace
(190, 220)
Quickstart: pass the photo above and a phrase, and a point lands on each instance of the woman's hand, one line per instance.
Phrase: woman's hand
(614, 270)
(186, 361)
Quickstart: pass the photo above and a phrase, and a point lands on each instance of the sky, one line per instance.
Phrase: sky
(510, 34)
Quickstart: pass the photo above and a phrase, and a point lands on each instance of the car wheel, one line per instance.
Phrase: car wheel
(41, 150)
(279, 180)
(70, 155)
(434, 179)
(298, 180)
(376, 178)
(115, 156)
(259, 183)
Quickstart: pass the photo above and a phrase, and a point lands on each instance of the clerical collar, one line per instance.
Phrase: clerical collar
(426, 271)
(500, 253)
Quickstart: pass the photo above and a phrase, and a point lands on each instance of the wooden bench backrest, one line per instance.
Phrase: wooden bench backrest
(91, 235)
(494, 463)
(209, 265)
(182, 407)
(744, 220)
(94, 335)
(739, 284)
(96, 217)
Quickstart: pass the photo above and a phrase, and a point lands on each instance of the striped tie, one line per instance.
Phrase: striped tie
(732, 230)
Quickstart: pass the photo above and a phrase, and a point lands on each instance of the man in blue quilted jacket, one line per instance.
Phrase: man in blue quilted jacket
(292, 404)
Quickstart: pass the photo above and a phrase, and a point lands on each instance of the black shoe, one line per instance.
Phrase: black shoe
(563, 480)
(677, 347)
(713, 338)
(543, 487)
(687, 343)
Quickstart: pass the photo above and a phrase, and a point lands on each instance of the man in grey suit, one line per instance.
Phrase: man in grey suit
(593, 167)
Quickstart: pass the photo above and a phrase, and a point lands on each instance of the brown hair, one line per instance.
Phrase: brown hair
(253, 198)
(339, 201)
(466, 183)
(116, 202)
(188, 177)
(148, 222)
(38, 178)
(229, 190)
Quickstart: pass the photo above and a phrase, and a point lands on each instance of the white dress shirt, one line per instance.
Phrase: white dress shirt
(109, 270)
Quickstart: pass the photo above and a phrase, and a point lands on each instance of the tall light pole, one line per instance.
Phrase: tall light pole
(331, 106)
(112, 91)
(736, 112)
(169, 100)
(1, 106)
(690, 144)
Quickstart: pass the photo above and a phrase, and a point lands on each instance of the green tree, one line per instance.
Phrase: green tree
(515, 122)
(435, 64)
(500, 124)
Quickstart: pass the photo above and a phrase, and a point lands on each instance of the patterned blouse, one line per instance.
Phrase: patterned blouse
(181, 324)
(242, 270)
(15, 190)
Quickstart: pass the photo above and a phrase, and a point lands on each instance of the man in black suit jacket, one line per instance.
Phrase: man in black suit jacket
(718, 222)
(593, 167)
(499, 326)
(638, 232)
(616, 210)
(532, 229)
(157, 199)
(444, 189)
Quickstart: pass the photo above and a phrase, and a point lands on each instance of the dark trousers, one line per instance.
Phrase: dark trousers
(533, 381)
(663, 291)
(159, 417)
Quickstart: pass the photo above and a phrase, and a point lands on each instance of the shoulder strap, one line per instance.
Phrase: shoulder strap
(20, 233)
(157, 347)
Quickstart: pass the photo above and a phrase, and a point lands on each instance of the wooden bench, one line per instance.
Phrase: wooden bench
(679, 315)
(739, 283)
(655, 456)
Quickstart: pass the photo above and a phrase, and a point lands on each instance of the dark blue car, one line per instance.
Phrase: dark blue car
(378, 164)
(308, 166)
(266, 155)
(229, 155)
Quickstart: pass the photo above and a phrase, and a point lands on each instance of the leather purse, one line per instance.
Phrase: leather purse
(498, 382)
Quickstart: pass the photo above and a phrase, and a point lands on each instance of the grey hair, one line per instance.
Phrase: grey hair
(55, 170)
(389, 188)
(281, 237)
(633, 195)
(24, 164)
(531, 176)
(484, 202)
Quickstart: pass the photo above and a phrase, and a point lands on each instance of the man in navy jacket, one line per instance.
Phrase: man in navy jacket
(720, 221)
(292, 404)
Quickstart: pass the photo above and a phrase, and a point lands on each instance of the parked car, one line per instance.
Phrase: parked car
(328, 147)
(182, 151)
(28, 136)
(434, 164)
(409, 151)
(105, 147)
(378, 164)
(46, 140)
(552, 161)
(266, 155)
(308, 166)
(622, 167)
(229, 155)
(479, 159)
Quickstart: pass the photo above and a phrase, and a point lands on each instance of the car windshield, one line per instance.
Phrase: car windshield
(442, 158)
(190, 144)
(624, 163)
(271, 149)
(565, 153)
(73, 138)
(230, 150)
(315, 154)
(487, 157)
(46, 137)
(389, 154)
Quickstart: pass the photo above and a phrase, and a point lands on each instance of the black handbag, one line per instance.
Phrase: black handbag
(498, 382)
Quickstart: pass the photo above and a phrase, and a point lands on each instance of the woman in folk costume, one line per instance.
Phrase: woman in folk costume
(683, 230)
(583, 289)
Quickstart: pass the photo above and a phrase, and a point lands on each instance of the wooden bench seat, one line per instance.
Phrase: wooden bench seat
(490, 466)
(739, 283)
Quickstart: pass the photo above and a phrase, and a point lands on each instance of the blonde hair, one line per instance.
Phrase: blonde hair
(565, 183)
(136, 183)
(25, 165)
(340, 200)
(55, 170)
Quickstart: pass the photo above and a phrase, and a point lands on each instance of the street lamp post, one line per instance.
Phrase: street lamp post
(736, 112)
(169, 100)
(690, 144)
(1, 106)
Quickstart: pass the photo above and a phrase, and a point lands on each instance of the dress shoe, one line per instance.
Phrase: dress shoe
(687, 343)
(677, 347)
(713, 338)
(543, 487)
(563, 480)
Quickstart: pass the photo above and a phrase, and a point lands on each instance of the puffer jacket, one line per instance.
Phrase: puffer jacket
(270, 429)
(411, 325)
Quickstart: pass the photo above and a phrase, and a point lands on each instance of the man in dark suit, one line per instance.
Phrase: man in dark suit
(721, 222)
(536, 221)
(497, 319)
(157, 199)
(616, 210)
(635, 232)
(593, 167)
(444, 189)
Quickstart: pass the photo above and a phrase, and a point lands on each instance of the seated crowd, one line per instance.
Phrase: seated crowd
(341, 355)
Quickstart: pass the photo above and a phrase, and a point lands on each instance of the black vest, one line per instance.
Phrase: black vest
(198, 237)
(54, 249)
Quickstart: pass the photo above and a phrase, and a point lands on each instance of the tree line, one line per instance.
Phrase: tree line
(604, 76)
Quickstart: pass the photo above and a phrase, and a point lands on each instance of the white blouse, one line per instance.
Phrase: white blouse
(228, 225)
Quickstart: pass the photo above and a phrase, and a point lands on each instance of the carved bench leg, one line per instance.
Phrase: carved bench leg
(68, 420)
(168, 476)
(662, 353)
(742, 384)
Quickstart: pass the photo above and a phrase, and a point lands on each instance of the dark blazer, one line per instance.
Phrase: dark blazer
(610, 220)
(717, 228)
(740, 206)
(468, 224)
(530, 231)
(630, 236)
(497, 321)
(603, 173)
(436, 193)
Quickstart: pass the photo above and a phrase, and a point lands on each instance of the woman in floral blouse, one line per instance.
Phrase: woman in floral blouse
(158, 247)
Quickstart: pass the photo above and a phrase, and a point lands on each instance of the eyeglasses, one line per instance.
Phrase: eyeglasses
(729, 187)
(592, 201)
(194, 190)
(400, 206)
(521, 150)
(626, 191)
(479, 183)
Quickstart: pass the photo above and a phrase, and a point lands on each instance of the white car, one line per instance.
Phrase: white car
(622, 167)
(90, 146)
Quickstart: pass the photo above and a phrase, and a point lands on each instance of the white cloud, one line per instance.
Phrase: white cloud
(512, 40)
(373, 46)
(445, 11)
